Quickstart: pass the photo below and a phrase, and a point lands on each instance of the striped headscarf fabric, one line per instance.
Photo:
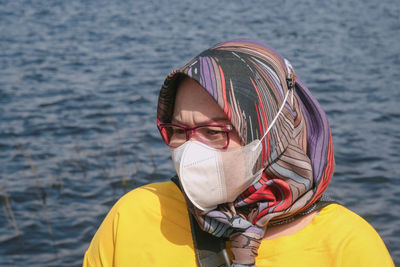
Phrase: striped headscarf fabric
(249, 81)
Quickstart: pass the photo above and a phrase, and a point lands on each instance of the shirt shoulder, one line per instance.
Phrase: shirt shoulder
(335, 237)
(151, 196)
(148, 226)
(356, 241)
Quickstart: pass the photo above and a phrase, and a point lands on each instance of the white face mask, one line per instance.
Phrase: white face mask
(211, 176)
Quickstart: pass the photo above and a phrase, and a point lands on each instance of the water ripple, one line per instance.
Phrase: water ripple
(78, 91)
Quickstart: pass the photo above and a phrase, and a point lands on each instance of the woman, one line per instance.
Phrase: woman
(253, 152)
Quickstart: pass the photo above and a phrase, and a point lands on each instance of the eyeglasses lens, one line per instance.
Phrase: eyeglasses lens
(214, 136)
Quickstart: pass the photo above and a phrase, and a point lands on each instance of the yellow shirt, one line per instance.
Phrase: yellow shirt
(150, 226)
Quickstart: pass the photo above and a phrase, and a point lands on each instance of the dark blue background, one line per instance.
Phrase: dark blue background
(79, 82)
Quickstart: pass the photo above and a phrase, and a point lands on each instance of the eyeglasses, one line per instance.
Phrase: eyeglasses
(213, 135)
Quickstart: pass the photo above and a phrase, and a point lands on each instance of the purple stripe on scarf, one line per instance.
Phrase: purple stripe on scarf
(207, 74)
(276, 82)
(316, 122)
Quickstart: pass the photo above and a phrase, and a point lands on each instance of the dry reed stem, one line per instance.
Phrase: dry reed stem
(31, 165)
(9, 214)
(137, 165)
(122, 159)
(43, 198)
(55, 179)
(104, 171)
(5, 212)
(79, 162)
(153, 162)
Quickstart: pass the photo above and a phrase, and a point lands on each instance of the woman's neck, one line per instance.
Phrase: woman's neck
(289, 228)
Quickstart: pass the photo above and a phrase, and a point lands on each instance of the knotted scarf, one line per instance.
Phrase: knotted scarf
(249, 81)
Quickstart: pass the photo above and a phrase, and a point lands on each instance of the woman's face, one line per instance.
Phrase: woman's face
(195, 107)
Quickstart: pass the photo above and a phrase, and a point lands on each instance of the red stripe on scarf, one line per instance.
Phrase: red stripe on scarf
(264, 118)
(227, 110)
(280, 200)
(262, 129)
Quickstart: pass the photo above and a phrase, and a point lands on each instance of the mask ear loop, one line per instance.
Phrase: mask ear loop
(291, 82)
(276, 117)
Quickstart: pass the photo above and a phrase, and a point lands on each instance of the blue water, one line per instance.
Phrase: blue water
(78, 88)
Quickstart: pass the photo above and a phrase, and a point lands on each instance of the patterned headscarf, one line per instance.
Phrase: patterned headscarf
(249, 81)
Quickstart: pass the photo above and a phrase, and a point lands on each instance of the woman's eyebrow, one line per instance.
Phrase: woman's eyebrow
(210, 121)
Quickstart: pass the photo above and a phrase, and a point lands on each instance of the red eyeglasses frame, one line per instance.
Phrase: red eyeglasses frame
(226, 128)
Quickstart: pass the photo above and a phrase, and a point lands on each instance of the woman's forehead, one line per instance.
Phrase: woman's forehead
(193, 104)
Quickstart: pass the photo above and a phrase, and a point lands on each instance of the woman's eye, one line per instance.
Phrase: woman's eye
(213, 132)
